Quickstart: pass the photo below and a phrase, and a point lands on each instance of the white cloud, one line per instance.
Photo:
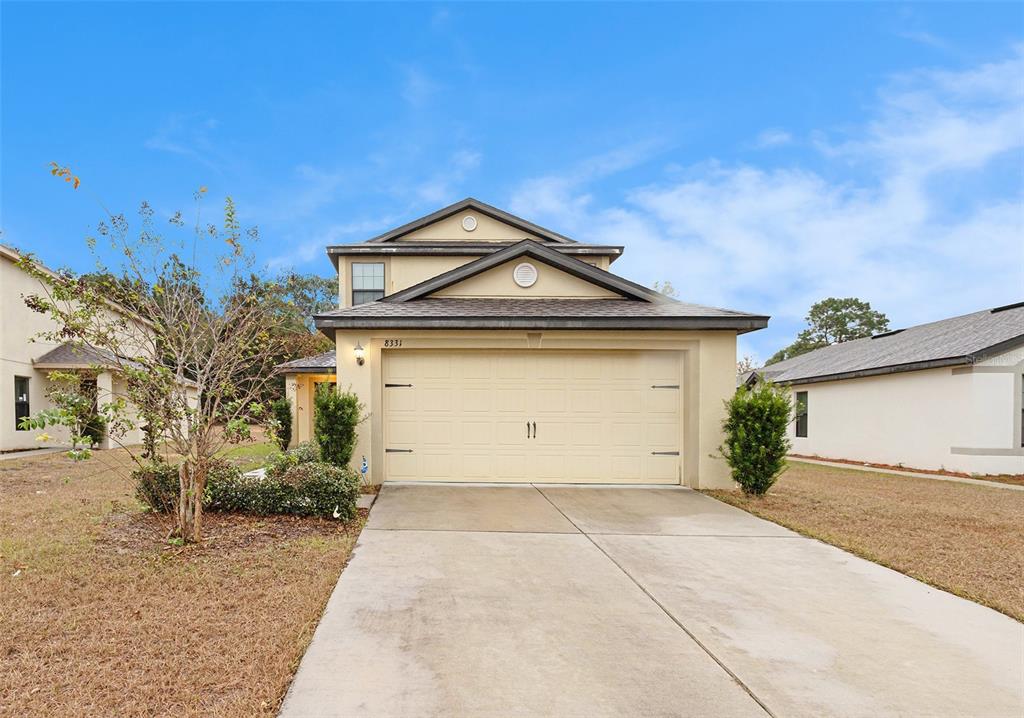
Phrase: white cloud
(439, 187)
(187, 135)
(773, 138)
(776, 239)
(308, 249)
(417, 86)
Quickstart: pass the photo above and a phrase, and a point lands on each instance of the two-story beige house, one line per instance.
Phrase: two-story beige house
(488, 349)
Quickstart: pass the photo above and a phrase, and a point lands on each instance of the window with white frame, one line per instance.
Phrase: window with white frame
(801, 414)
(21, 407)
(367, 282)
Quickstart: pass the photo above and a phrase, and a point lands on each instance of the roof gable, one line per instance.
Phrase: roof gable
(550, 283)
(491, 224)
(529, 249)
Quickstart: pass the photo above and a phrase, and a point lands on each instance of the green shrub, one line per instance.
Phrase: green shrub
(156, 485)
(307, 489)
(281, 411)
(334, 425)
(755, 436)
(279, 462)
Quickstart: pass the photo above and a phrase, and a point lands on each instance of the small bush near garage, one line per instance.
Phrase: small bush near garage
(156, 483)
(755, 436)
(277, 464)
(307, 489)
(295, 483)
(336, 417)
(281, 422)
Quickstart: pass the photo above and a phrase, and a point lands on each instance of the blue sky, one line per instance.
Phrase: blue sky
(759, 157)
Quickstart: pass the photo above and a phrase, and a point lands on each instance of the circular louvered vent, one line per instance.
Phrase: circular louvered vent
(525, 274)
(469, 223)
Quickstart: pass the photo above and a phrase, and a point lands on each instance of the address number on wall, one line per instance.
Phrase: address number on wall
(391, 343)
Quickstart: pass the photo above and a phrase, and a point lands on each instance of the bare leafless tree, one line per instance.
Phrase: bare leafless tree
(185, 323)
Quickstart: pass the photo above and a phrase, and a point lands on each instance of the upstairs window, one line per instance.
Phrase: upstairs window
(367, 282)
(21, 409)
(801, 414)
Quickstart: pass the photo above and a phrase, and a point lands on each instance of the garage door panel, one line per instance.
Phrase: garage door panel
(585, 401)
(597, 417)
(662, 401)
(510, 400)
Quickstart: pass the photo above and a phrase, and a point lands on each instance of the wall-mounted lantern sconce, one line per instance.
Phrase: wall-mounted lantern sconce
(360, 354)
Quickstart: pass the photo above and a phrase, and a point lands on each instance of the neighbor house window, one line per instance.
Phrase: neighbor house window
(21, 409)
(801, 414)
(367, 282)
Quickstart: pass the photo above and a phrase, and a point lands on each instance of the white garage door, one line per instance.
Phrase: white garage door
(543, 416)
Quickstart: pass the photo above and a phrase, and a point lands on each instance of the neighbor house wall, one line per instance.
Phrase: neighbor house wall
(708, 365)
(957, 419)
(19, 345)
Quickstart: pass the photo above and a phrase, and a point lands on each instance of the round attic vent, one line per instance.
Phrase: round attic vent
(469, 223)
(525, 274)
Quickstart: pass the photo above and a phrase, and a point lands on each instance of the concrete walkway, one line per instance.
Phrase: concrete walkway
(572, 601)
(29, 453)
(911, 474)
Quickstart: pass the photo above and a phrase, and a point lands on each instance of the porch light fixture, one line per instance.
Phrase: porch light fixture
(360, 354)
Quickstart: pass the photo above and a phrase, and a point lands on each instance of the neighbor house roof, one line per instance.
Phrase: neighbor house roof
(325, 363)
(948, 342)
(74, 356)
(77, 357)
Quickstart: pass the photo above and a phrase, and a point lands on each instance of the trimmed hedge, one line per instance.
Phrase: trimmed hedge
(310, 489)
(294, 484)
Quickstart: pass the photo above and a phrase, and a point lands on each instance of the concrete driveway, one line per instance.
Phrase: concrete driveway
(572, 601)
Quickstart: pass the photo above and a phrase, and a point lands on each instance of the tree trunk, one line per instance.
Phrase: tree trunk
(191, 485)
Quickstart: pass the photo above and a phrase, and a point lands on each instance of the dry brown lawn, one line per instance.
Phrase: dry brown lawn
(100, 617)
(962, 538)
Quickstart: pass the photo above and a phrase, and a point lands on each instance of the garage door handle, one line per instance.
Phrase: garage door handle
(389, 386)
(664, 453)
(535, 430)
(527, 430)
(664, 386)
(397, 451)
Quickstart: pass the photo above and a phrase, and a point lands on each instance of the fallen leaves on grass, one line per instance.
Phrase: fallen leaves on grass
(108, 619)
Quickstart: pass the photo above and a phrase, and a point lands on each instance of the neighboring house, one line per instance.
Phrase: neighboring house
(26, 360)
(945, 395)
(487, 348)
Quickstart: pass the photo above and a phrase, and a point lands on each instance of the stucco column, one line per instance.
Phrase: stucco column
(291, 393)
(104, 396)
(717, 383)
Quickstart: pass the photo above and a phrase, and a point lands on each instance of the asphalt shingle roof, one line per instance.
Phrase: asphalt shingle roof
(326, 362)
(552, 313)
(959, 340)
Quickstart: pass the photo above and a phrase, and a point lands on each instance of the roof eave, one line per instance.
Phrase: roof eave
(740, 325)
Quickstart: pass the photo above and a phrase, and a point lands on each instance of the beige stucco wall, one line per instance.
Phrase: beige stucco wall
(708, 362)
(487, 229)
(958, 419)
(18, 324)
(299, 389)
(551, 282)
(406, 271)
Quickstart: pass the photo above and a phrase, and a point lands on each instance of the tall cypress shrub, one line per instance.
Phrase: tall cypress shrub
(334, 424)
(281, 409)
(755, 436)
